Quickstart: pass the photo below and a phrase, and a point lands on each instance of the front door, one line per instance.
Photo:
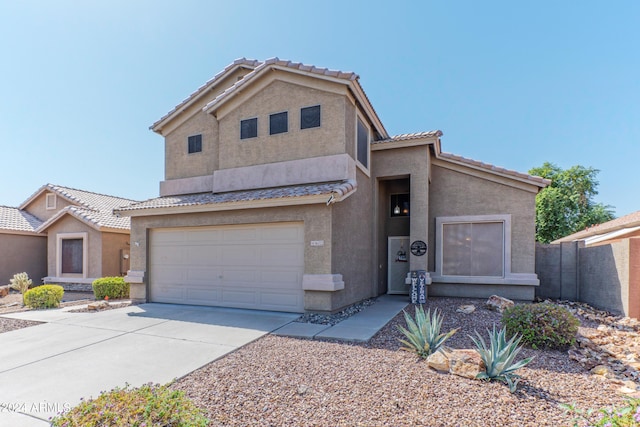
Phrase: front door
(398, 264)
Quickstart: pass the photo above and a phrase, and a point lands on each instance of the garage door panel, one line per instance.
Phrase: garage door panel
(202, 255)
(256, 266)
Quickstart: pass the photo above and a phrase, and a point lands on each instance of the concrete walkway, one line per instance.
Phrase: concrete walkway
(359, 327)
(48, 368)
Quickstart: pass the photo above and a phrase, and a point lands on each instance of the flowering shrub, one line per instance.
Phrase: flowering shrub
(626, 416)
(146, 406)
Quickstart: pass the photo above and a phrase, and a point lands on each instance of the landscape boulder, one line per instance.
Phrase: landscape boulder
(498, 303)
(465, 363)
(4, 290)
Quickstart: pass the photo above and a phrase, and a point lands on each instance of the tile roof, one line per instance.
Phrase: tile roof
(543, 182)
(290, 192)
(410, 136)
(15, 219)
(92, 208)
(240, 62)
(627, 221)
(348, 75)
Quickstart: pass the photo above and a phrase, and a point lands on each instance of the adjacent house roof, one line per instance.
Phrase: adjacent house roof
(16, 220)
(94, 209)
(607, 230)
(328, 193)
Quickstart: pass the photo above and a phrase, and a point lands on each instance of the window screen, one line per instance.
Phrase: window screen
(72, 256)
(249, 128)
(195, 144)
(363, 144)
(310, 117)
(278, 123)
(473, 249)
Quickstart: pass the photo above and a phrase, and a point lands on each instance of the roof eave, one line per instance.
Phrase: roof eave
(326, 198)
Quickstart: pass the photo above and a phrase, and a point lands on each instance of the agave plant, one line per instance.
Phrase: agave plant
(499, 357)
(423, 333)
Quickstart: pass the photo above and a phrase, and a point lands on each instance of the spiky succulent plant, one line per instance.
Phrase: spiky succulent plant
(422, 333)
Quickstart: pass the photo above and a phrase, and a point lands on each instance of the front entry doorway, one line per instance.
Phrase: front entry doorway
(398, 264)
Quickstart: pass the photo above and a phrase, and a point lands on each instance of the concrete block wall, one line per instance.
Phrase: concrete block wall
(605, 276)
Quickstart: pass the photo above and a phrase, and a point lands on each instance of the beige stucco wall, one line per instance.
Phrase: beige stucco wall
(193, 121)
(38, 208)
(353, 254)
(22, 253)
(68, 224)
(456, 194)
(112, 244)
(276, 97)
(316, 218)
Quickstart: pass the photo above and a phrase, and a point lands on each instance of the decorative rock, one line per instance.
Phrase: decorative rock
(626, 390)
(465, 363)
(4, 291)
(438, 361)
(602, 370)
(97, 305)
(498, 303)
(466, 309)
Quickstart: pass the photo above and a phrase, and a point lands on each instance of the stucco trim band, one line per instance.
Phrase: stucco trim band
(510, 279)
(322, 282)
(193, 185)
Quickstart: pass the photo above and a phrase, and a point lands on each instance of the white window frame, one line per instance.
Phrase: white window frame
(365, 169)
(506, 235)
(85, 253)
(48, 204)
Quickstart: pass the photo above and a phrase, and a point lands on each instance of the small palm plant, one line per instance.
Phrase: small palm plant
(423, 333)
(20, 282)
(499, 357)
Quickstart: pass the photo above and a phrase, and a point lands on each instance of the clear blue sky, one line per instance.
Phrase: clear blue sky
(509, 83)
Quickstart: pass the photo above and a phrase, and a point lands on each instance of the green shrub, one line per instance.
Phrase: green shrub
(542, 325)
(149, 405)
(44, 296)
(112, 287)
(499, 357)
(625, 416)
(423, 333)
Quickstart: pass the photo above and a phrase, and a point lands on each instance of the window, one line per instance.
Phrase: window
(72, 256)
(473, 246)
(310, 117)
(195, 144)
(400, 205)
(50, 201)
(278, 123)
(362, 138)
(249, 128)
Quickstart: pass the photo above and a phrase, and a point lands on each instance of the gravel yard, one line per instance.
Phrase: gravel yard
(286, 381)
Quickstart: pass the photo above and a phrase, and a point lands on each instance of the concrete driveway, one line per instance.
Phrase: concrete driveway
(48, 368)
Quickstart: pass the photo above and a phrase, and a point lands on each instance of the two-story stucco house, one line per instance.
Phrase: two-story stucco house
(283, 191)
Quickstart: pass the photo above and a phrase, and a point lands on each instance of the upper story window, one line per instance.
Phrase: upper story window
(310, 117)
(50, 201)
(362, 141)
(249, 128)
(278, 123)
(194, 144)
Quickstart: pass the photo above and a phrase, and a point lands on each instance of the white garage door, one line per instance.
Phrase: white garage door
(257, 266)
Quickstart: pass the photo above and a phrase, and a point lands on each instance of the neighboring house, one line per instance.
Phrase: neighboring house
(22, 248)
(284, 191)
(74, 237)
(607, 232)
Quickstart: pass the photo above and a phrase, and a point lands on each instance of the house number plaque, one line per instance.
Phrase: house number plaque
(418, 248)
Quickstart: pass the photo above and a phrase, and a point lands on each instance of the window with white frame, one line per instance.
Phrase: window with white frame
(50, 201)
(362, 143)
(72, 255)
(473, 246)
